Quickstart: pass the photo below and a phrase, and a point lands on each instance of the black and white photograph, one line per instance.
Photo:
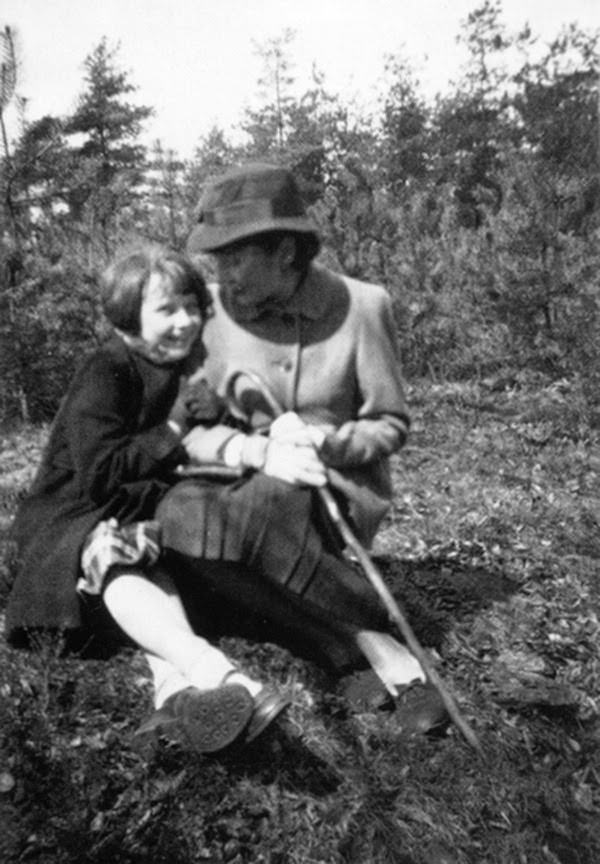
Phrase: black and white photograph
(299, 432)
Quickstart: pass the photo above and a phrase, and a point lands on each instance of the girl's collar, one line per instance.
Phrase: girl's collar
(140, 347)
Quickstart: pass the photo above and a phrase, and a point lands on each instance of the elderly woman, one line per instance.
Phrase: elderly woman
(307, 362)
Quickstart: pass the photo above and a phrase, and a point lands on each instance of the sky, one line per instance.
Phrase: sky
(195, 61)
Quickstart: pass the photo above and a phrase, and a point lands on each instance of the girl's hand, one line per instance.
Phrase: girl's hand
(196, 403)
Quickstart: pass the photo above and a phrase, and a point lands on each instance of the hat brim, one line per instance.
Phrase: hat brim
(207, 238)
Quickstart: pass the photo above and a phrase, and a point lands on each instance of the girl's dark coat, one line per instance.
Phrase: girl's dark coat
(110, 453)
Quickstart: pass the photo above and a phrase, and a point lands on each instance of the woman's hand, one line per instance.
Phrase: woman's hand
(294, 463)
(292, 452)
(291, 429)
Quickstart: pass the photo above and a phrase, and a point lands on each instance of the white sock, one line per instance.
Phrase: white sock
(391, 661)
(206, 671)
(254, 687)
(211, 667)
(166, 679)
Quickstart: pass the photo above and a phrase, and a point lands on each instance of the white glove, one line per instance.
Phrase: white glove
(293, 463)
(291, 429)
(288, 454)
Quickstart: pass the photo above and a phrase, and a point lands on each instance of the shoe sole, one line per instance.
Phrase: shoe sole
(211, 720)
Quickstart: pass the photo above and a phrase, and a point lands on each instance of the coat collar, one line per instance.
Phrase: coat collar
(310, 300)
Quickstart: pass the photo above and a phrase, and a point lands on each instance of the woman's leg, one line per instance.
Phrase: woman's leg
(390, 660)
(336, 585)
(274, 530)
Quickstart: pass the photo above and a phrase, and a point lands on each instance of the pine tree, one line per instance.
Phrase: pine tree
(107, 159)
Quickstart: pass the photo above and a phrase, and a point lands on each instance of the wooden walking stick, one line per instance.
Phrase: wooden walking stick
(397, 616)
(374, 576)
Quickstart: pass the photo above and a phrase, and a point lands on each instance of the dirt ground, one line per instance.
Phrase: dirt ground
(493, 548)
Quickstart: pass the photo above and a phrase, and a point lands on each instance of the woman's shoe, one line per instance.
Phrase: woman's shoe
(208, 720)
(420, 708)
(365, 692)
(268, 705)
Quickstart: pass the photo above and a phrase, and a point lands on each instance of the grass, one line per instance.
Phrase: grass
(493, 544)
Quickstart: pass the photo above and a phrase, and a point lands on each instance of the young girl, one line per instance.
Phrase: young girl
(86, 528)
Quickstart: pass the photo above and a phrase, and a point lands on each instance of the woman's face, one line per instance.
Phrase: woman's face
(169, 320)
(249, 277)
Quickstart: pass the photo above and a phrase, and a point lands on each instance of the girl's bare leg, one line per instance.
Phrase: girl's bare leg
(149, 610)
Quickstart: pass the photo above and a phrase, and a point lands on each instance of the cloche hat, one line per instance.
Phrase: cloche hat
(246, 201)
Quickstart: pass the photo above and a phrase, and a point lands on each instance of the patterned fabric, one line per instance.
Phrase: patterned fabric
(109, 545)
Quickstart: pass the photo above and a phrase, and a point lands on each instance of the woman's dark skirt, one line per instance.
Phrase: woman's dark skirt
(258, 550)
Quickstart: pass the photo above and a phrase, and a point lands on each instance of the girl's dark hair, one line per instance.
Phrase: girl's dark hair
(123, 283)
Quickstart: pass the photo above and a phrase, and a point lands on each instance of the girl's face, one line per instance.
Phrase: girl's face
(169, 320)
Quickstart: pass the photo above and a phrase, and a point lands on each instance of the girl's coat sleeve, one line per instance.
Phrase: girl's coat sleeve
(115, 427)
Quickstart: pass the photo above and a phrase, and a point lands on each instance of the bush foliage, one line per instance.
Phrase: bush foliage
(478, 210)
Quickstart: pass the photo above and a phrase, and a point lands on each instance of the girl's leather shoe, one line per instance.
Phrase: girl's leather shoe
(207, 720)
(268, 705)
